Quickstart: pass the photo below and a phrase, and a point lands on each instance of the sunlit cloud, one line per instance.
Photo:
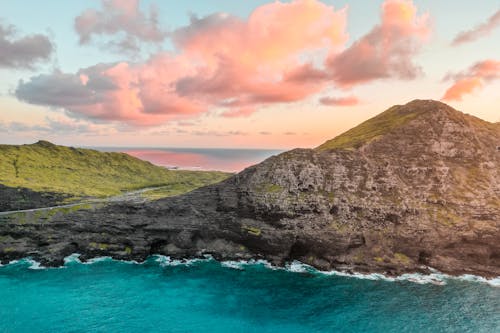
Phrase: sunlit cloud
(59, 124)
(387, 51)
(472, 79)
(339, 101)
(478, 31)
(233, 67)
(120, 17)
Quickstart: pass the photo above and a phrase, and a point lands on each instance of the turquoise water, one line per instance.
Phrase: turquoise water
(205, 296)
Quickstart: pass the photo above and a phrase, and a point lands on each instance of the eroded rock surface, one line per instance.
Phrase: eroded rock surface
(418, 186)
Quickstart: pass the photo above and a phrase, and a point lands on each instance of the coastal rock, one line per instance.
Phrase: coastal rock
(417, 186)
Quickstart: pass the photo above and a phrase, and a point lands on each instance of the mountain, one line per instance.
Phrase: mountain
(44, 174)
(415, 187)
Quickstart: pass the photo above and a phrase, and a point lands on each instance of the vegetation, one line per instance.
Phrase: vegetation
(79, 173)
(186, 181)
(402, 258)
(365, 132)
(252, 230)
(269, 188)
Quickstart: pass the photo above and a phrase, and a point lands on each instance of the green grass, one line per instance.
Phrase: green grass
(187, 181)
(252, 230)
(402, 258)
(269, 188)
(365, 132)
(44, 167)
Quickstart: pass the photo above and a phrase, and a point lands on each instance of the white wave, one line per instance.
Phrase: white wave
(435, 277)
(34, 264)
(233, 264)
(297, 267)
(168, 261)
(73, 258)
(494, 282)
(131, 262)
(97, 259)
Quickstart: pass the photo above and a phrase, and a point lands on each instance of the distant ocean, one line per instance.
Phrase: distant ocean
(206, 296)
(230, 160)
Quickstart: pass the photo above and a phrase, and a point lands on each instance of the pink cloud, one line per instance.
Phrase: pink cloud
(140, 95)
(339, 101)
(231, 64)
(249, 61)
(387, 51)
(472, 79)
(118, 16)
(479, 31)
(242, 112)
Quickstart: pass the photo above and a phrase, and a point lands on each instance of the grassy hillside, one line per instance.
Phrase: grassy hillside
(372, 128)
(75, 172)
(398, 116)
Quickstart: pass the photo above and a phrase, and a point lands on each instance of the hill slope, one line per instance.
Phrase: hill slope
(44, 173)
(416, 187)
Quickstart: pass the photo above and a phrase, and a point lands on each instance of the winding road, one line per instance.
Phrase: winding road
(132, 196)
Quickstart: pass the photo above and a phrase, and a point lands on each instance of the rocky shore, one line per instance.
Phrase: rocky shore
(417, 186)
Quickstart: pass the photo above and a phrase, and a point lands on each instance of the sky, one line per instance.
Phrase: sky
(236, 74)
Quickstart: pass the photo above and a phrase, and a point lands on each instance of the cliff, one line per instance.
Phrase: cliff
(416, 187)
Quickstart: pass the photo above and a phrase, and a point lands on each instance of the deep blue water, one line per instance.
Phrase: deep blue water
(111, 296)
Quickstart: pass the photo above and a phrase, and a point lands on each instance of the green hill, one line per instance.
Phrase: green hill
(78, 173)
(397, 117)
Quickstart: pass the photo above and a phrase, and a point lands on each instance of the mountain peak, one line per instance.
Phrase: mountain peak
(45, 143)
(395, 117)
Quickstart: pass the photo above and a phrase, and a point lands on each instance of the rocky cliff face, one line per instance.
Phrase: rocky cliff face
(417, 186)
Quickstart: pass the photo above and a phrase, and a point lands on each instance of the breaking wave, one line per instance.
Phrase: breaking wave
(436, 277)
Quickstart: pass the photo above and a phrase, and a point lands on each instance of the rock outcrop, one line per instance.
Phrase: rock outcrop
(416, 187)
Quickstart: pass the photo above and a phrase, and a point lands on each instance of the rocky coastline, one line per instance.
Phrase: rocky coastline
(424, 192)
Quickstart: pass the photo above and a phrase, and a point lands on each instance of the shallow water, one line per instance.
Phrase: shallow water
(206, 296)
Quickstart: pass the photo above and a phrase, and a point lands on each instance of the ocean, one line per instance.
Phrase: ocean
(161, 295)
(229, 160)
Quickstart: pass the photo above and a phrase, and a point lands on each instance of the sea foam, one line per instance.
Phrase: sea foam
(436, 277)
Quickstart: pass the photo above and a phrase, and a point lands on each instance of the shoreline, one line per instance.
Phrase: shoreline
(435, 277)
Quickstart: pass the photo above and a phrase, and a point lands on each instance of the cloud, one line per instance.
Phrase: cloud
(187, 123)
(479, 31)
(22, 52)
(16, 126)
(339, 101)
(137, 95)
(218, 133)
(122, 19)
(474, 78)
(57, 125)
(254, 61)
(234, 66)
(241, 112)
(223, 61)
(387, 51)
